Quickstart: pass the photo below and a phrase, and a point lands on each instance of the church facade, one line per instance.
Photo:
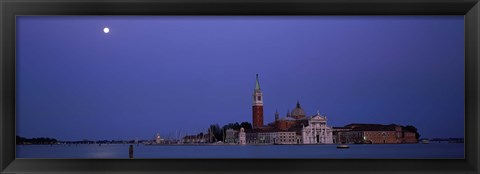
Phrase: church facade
(317, 131)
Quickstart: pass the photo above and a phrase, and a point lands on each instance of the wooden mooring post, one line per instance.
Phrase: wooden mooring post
(130, 151)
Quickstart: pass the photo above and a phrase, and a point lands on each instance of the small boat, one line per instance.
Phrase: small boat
(425, 142)
(343, 146)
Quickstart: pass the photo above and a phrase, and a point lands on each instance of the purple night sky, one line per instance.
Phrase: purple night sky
(166, 74)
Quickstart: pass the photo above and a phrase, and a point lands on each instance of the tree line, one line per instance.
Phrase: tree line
(217, 133)
(412, 129)
(40, 140)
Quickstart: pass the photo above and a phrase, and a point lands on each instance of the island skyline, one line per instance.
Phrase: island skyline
(163, 74)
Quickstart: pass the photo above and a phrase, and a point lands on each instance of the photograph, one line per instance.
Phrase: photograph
(240, 87)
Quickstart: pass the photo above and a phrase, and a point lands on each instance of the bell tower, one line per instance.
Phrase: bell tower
(257, 108)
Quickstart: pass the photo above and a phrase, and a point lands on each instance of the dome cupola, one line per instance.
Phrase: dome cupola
(298, 112)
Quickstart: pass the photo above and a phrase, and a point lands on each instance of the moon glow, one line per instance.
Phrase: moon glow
(106, 30)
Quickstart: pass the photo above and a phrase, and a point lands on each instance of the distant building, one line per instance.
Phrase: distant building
(266, 137)
(193, 139)
(317, 131)
(251, 137)
(287, 137)
(271, 136)
(339, 135)
(231, 136)
(374, 134)
(409, 137)
(158, 140)
(260, 136)
(242, 137)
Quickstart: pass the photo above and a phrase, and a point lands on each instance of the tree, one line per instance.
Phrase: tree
(411, 128)
(246, 125)
(41, 140)
(234, 126)
(216, 131)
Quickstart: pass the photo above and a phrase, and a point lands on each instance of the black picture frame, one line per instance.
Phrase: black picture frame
(11, 8)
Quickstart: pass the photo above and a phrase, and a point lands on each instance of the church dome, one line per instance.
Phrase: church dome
(298, 112)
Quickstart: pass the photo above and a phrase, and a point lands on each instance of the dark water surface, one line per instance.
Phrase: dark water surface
(433, 150)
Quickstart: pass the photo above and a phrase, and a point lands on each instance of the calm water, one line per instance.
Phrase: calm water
(433, 150)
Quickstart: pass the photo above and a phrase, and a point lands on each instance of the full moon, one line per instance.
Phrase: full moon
(106, 30)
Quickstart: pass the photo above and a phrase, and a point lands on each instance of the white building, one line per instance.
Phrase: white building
(158, 140)
(317, 131)
(242, 137)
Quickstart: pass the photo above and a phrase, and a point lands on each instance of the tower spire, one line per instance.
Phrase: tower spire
(276, 114)
(257, 84)
(298, 104)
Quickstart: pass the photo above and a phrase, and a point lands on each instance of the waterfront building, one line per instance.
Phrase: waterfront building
(257, 108)
(192, 139)
(267, 137)
(409, 137)
(189, 139)
(287, 137)
(263, 135)
(231, 136)
(158, 140)
(298, 138)
(317, 131)
(374, 134)
(371, 134)
(251, 137)
(242, 137)
(339, 135)
(271, 136)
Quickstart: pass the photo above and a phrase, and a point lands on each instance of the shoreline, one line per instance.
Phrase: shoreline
(230, 144)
